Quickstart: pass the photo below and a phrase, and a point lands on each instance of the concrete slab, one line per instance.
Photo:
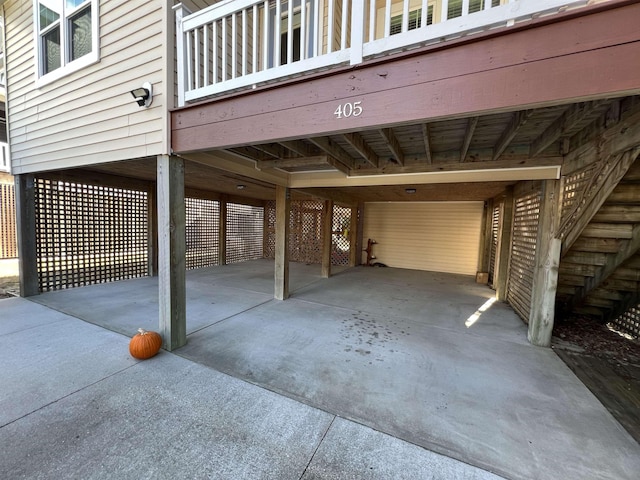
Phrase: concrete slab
(352, 452)
(168, 417)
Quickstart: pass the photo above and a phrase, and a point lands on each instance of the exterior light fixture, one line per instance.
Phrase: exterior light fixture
(241, 187)
(143, 95)
(410, 190)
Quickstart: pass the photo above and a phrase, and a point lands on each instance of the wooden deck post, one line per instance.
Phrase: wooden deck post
(503, 250)
(353, 238)
(283, 208)
(171, 251)
(545, 274)
(360, 234)
(327, 237)
(26, 234)
(222, 232)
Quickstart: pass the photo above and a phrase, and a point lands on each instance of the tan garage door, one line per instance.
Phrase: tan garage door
(434, 236)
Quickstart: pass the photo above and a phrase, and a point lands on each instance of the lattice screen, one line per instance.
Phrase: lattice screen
(202, 232)
(88, 234)
(340, 236)
(523, 252)
(305, 231)
(245, 230)
(270, 233)
(8, 240)
(629, 321)
(495, 231)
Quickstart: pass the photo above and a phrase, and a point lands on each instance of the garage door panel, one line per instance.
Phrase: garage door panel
(434, 236)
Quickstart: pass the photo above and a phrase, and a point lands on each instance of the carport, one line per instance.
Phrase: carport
(426, 357)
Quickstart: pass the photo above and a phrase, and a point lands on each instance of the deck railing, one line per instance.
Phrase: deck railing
(238, 44)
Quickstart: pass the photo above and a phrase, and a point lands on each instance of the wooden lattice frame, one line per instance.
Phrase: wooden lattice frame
(523, 251)
(8, 239)
(88, 234)
(202, 232)
(245, 232)
(340, 244)
(629, 322)
(495, 232)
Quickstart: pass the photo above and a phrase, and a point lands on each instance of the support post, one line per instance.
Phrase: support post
(152, 240)
(222, 232)
(26, 234)
(484, 254)
(353, 238)
(171, 252)
(283, 208)
(503, 249)
(547, 262)
(360, 234)
(327, 237)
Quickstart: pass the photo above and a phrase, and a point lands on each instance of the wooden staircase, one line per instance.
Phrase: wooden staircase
(599, 275)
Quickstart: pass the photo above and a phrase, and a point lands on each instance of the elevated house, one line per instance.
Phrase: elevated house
(490, 138)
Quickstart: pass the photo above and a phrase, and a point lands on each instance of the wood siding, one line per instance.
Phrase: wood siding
(89, 116)
(433, 236)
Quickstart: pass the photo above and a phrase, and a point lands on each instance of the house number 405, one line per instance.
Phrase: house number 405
(349, 109)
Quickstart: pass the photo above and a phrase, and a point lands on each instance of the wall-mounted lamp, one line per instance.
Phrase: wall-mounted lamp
(143, 95)
(410, 191)
(241, 187)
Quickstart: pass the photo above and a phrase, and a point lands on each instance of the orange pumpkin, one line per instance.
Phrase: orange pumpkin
(145, 344)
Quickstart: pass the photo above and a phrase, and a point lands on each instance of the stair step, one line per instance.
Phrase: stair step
(625, 193)
(597, 245)
(585, 258)
(618, 214)
(608, 230)
(590, 311)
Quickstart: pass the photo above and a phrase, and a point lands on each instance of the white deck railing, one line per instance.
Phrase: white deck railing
(236, 44)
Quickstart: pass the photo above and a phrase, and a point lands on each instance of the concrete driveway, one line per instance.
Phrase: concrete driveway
(417, 358)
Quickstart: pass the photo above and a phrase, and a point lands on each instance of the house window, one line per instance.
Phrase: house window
(66, 36)
(415, 20)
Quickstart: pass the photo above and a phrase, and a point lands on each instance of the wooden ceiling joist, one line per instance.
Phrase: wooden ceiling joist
(335, 151)
(294, 162)
(518, 121)
(358, 143)
(468, 136)
(427, 143)
(299, 148)
(393, 145)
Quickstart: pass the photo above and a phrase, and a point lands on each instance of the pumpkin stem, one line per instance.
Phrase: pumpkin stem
(142, 331)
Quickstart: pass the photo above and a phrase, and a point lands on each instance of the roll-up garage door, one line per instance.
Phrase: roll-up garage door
(433, 236)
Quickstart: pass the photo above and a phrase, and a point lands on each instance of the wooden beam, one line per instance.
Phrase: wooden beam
(572, 115)
(275, 151)
(171, 252)
(299, 148)
(503, 250)
(335, 151)
(473, 76)
(517, 122)
(249, 153)
(222, 231)
(327, 237)
(25, 193)
(393, 145)
(468, 136)
(281, 276)
(295, 162)
(547, 261)
(357, 142)
(427, 143)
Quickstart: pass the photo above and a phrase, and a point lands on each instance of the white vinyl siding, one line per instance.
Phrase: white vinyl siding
(432, 236)
(89, 116)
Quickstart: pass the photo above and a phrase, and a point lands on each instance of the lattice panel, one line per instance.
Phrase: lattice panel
(305, 231)
(202, 233)
(87, 234)
(523, 252)
(270, 234)
(340, 246)
(8, 239)
(245, 228)
(495, 231)
(629, 322)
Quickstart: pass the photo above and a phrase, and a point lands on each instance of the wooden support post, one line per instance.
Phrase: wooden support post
(222, 232)
(503, 250)
(26, 230)
(283, 208)
(152, 231)
(547, 262)
(171, 251)
(359, 234)
(484, 254)
(354, 253)
(327, 237)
